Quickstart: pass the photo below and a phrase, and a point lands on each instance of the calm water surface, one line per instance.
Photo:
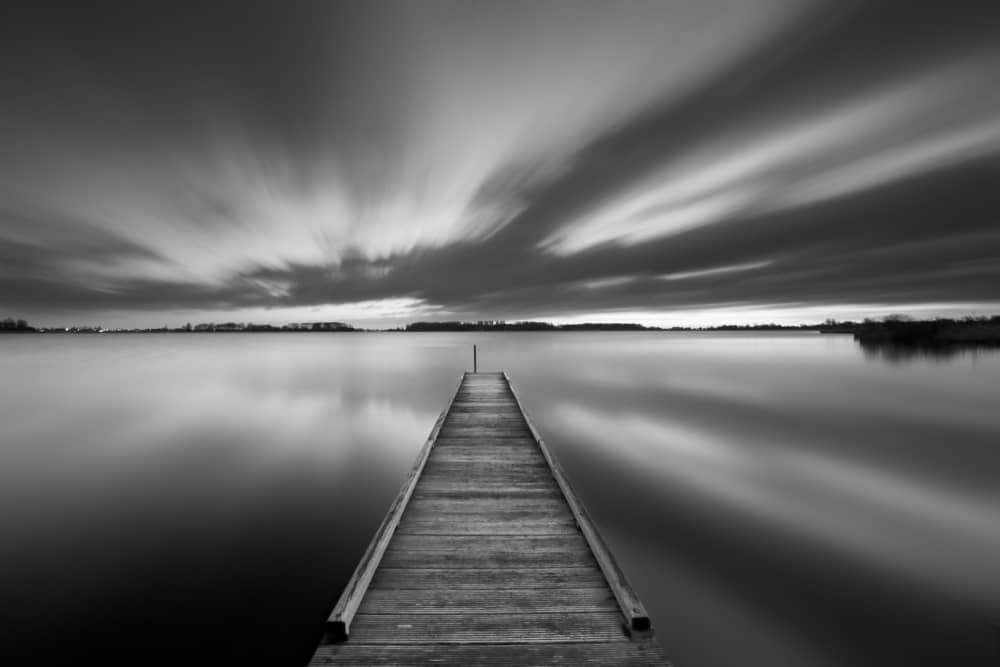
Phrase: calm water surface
(780, 499)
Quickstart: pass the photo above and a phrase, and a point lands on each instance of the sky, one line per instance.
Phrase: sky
(672, 162)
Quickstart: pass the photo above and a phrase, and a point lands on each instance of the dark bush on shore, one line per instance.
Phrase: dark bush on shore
(12, 325)
(941, 332)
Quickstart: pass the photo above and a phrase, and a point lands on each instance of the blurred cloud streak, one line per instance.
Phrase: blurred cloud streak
(487, 159)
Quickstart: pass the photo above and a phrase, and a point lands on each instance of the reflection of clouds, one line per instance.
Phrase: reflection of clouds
(270, 423)
(110, 403)
(719, 389)
(898, 524)
(718, 367)
(680, 380)
(915, 501)
(681, 594)
(816, 375)
(221, 431)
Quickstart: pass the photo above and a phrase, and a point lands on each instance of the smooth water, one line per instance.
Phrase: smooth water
(780, 499)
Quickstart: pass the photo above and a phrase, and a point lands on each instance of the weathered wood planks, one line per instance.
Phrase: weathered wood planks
(493, 655)
(487, 557)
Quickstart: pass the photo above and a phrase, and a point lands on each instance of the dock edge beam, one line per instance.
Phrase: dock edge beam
(636, 619)
(338, 625)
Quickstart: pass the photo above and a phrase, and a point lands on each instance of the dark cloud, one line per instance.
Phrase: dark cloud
(174, 65)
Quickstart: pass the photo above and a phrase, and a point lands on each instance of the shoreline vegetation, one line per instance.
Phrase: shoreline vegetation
(971, 331)
(892, 330)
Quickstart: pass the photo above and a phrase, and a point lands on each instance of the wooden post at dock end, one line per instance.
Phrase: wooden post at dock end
(475, 360)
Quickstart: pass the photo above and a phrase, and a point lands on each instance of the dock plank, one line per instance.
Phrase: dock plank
(487, 506)
(488, 579)
(476, 526)
(460, 628)
(495, 559)
(471, 601)
(635, 654)
(465, 543)
(487, 493)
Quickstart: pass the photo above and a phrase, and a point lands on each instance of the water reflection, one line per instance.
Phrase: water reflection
(212, 488)
(898, 353)
(776, 498)
(849, 509)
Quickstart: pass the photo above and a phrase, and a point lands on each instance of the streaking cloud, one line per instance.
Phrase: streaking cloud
(483, 160)
(884, 136)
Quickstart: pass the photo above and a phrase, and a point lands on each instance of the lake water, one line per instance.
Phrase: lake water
(780, 499)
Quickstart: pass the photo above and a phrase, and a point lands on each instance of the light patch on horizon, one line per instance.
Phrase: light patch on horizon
(362, 313)
(791, 314)
(373, 313)
(395, 312)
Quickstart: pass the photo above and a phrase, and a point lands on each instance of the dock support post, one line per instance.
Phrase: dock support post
(475, 360)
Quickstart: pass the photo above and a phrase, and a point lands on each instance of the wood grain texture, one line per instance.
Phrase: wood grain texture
(487, 558)
(478, 526)
(487, 542)
(503, 452)
(488, 494)
(513, 475)
(487, 506)
(525, 628)
(471, 601)
(488, 579)
(633, 654)
(423, 510)
(509, 483)
(524, 439)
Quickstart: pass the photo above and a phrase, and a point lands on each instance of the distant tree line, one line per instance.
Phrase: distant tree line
(240, 326)
(902, 330)
(10, 324)
(500, 325)
(891, 329)
(768, 326)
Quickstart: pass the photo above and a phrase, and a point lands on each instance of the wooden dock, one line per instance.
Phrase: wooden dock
(487, 557)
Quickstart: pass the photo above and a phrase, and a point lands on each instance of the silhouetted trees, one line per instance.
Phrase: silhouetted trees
(901, 330)
(893, 329)
(10, 324)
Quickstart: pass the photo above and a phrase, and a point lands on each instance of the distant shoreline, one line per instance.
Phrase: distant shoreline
(981, 331)
(509, 328)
